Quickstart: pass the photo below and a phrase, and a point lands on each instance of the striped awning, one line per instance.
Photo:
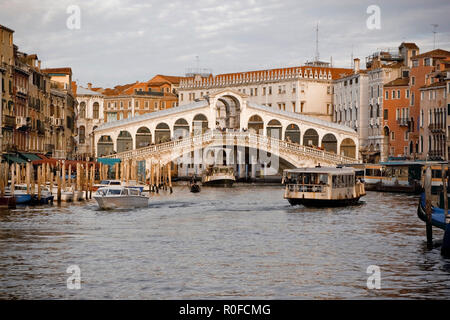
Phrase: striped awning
(13, 159)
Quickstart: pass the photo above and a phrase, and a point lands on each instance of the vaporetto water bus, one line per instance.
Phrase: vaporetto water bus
(322, 186)
(219, 176)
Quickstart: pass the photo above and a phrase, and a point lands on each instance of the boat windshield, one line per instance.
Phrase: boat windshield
(105, 182)
(114, 183)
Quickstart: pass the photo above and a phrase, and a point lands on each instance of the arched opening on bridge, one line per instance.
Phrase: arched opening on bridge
(274, 129)
(199, 124)
(311, 138)
(228, 111)
(348, 148)
(292, 133)
(329, 143)
(162, 133)
(180, 129)
(124, 141)
(255, 124)
(143, 137)
(105, 146)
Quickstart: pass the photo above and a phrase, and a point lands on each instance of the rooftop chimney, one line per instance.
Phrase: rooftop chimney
(90, 86)
(356, 64)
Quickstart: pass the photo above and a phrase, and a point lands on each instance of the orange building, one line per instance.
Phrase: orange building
(125, 101)
(396, 116)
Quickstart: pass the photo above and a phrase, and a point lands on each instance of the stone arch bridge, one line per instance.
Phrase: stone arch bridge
(227, 119)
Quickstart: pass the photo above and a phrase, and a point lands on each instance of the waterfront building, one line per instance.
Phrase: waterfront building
(350, 103)
(396, 117)
(7, 97)
(60, 117)
(305, 90)
(126, 101)
(89, 116)
(383, 67)
(424, 67)
(433, 116)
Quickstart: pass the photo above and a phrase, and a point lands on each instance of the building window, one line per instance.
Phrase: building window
(387, 95)
(96, 110)
(392, 135)
(385, 116)
(398, 94)
(413, 81)
(82, 133)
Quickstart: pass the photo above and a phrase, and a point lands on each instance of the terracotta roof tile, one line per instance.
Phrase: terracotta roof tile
(433, 54)
(398, 82)
(57, 70)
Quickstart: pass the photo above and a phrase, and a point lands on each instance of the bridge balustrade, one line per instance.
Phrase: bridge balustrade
(233, 138)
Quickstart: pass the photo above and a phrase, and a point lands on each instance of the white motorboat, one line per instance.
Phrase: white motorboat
(118, 197)
(108, 183)
(66, 195)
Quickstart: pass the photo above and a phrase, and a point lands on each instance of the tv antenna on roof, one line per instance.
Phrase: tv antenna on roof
(434, 34)
(317, 42)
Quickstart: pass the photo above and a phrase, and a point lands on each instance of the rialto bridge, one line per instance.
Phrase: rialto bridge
(226, 121)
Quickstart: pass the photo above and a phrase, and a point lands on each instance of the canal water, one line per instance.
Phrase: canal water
(240, 243)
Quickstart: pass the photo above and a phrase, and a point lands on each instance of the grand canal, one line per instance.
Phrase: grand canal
(239, 243)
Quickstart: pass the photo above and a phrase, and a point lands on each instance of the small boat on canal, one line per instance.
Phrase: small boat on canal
(20, 194)
(437, 214)
(118, 197)
(107, 183)
(219, 176)
(322, 186)
(193, 186)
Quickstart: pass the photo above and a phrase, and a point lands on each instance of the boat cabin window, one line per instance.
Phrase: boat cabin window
(134, 192)
(343, 181)
(396, 172)
(373, 172)
(105, 182)
(114, 191)
(307, 178)
(124, 192)
(115, 183)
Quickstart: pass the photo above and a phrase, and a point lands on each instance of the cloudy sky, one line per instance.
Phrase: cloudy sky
(123, 41)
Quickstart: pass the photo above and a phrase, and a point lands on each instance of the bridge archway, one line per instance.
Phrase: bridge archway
(143, 137)
(274, 129)
(348, 148)
(124, 141)
(311, 138)
(180, 129)
(255, 124)
(199, 124)
(105, 146)
(329, 143)
(228, 111)
(292, 133)
(162, 133)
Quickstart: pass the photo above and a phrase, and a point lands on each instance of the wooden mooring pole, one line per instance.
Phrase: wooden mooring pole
(428, 207)
(445, 249)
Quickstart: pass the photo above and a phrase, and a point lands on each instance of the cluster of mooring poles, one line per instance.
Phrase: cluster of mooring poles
(445, 249)
(159, 177)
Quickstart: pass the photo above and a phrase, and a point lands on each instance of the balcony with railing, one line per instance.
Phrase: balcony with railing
(438, 127)
(403, 122)
(9, 122)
